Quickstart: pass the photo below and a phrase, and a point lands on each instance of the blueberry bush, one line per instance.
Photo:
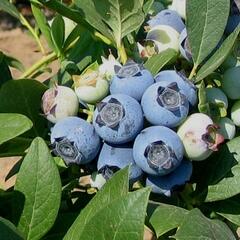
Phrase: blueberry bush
(139, 128)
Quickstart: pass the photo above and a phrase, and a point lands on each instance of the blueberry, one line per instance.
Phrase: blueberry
(169, 18)
(216, 96)
(164, 104)
(186, 86)
(161, 38)
(131, 79)
(235, 113)
(158, 150)
(118, 119)
(167, 184)
(59, 102)
(233, 22)
(230, 62)
(114, 158)
(227, 128)
(184, 46)
(75, 140)
(199, 136)
(235, 7)
(234, 18)
(91, 87)
(180, 7)
(231, 83)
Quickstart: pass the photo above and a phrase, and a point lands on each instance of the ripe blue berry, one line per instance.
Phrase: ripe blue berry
(164, 104)
(169, 18)
(186, 86)
(158, 150)
(114, 158)
(184, 46)
(131, 79)
(118, 119)
(233, 22)
(75, 140)
(167, 184)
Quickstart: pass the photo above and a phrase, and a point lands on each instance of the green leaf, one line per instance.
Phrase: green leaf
(147, 6)
(58, 33)
(206, 21)
(228, 208)
(113, 18)
(24, 97)
(4, 69)
(12, 125)
(116, 188)
(65, 10)
(218, 57)
(15, 147)
(15, 63)
(197, 226)
(84, 52)
(93, 67)
(73, 36)
(157, 62)
(61, 226)
(60, 164)
(223, 172)
(167, 217)
(42, 23)
(121, 219)
(38, 186)
(8, 7)
(8, 230)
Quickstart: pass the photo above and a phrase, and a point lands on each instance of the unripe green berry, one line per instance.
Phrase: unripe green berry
(227, 128)
(235, 113)
(231, 83)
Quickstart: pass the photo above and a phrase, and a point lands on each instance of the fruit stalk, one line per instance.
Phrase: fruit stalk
(193, 72)
(31, 30)
(122, 53)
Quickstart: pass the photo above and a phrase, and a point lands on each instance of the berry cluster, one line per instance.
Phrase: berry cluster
(134, 118)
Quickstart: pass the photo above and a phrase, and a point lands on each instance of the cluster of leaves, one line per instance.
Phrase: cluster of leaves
(47, 201)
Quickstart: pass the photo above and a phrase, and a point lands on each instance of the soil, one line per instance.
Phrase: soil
(21, 45)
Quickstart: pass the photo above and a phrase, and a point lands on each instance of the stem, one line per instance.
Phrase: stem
(193, 72)
(122, 53)
(31, 30)
(45, 60)
(90, 113)
(103, 38)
